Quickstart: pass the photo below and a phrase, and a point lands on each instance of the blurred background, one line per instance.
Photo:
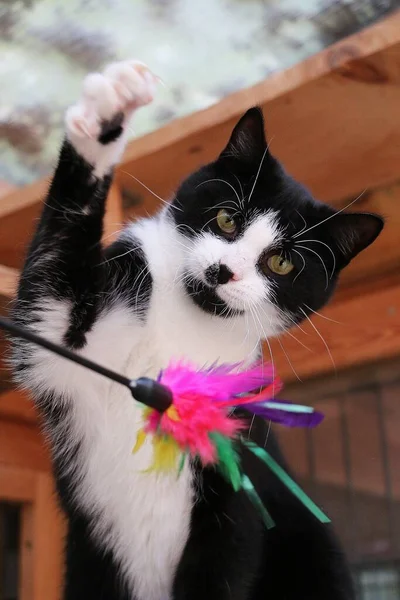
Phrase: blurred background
(203, 51)
(327, 74)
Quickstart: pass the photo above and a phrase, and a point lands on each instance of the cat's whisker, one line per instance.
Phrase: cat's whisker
(241, 191)
(297, 340)
(248, 308)
(251, 426)
(330, 250)
(321, 315)
(222, 181)
(223, 204)
(304, 221)
(288, 359)
(267, 434)
(258, 173)
(233, 215)
(181, 243)
(320, 258)
(151, 191)
(272, 363)
(302, 268)
(246, 323)
(114, 233)
(331, 216)
(183, 225)
(133, 249)
(208, 222)
(265, 339)
(294, 323)
(321, 337)
(285, 352)
(225, 207)
(142, 277)
(251, 310)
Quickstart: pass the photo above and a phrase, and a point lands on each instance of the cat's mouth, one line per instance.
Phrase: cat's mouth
(212, 299)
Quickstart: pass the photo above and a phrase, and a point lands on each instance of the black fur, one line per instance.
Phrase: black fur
(230, 554)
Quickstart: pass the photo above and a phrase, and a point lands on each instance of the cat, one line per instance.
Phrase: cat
(241, 253)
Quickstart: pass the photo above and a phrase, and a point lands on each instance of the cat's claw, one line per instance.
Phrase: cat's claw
(107, 102)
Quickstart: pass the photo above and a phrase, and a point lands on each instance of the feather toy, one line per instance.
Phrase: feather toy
(189, 413)
(200, 423)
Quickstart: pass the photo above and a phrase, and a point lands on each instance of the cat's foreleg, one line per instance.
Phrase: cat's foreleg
(62, 283)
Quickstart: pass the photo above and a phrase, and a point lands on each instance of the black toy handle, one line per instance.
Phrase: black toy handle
(145, 390)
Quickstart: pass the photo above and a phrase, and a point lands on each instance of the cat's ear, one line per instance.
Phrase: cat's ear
(353, 232)
(247, 142)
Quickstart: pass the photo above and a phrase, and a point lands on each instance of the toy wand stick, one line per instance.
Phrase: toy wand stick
(145, 390)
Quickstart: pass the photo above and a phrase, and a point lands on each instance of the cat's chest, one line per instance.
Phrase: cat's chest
(175, 330)
(148, 535)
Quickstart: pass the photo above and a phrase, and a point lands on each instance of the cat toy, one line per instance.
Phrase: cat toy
(190, 413)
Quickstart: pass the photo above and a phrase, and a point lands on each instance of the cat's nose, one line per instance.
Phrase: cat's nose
(218, 274)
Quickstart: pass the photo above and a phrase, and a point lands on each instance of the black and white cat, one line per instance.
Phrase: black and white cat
(241, 253)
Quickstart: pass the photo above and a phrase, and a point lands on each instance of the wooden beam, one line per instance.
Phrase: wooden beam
(383, 257)
(17, 224)
(16, 405)
(17, 484)
(363, 328)
(23, 446)
(43, 533)
(8, 281)
(341, 105)
(114, 217)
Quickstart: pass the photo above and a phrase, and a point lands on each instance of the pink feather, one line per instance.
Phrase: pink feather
(201, 399)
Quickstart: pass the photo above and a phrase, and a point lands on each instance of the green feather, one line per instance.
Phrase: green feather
(181, 463)
(228, 460)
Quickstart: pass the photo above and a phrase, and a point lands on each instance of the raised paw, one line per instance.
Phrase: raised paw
(107, 102)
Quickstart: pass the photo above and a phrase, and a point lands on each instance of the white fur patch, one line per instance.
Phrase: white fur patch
(122, 88)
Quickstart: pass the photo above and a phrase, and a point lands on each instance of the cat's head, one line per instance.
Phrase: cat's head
(256, 241)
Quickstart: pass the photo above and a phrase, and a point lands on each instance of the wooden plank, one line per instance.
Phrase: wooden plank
(17, 484)
(22, 198)
(27, 565)
(8, 281)
(41, 545)
(364, 328)
(383, 257)
(8, 285)
(114, 217)
(22, 445)
(16, 405)
(16, 229)
(342, 105)
(48, 531)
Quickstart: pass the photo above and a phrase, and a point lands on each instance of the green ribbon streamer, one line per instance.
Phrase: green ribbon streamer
(248, 487)
(296, 490)
(181, 463)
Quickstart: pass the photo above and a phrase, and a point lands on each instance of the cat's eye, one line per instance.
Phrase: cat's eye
(279, 265)
(225, 222)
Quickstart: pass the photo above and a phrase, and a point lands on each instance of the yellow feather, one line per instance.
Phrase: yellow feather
(140, 440)
(165, 453)
(173, 413)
